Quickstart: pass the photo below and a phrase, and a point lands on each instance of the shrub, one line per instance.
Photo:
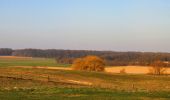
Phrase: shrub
(123, 71)
(89, 63)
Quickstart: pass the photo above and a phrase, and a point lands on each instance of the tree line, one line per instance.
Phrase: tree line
(110, 57)
(5, 51)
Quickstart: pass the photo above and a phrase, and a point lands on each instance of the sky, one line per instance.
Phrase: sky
(116, 25)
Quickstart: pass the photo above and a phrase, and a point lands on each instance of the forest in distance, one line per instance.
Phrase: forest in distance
(111, 58)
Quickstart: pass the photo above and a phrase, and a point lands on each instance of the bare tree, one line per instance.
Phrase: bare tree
(158, 68)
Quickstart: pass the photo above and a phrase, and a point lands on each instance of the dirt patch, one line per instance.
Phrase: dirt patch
(80, 82)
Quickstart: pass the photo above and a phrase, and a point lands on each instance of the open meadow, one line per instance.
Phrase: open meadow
(34, 83)
(8, 61)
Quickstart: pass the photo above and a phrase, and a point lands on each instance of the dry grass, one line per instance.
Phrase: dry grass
(109, 69)
(83, 78)
(131, 69)
(14, 57)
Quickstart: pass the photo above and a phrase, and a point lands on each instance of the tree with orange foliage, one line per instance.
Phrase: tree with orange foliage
(89, 63)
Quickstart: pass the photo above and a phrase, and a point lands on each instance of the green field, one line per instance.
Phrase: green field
(47, 84)
(80, 94)
(5, 62)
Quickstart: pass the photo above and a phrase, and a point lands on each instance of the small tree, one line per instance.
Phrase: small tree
(158, 68)
(89, 63)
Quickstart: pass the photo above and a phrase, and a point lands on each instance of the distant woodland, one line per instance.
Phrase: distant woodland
(110, 57)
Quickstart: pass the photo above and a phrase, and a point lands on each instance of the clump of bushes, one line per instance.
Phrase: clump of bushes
(89, 63)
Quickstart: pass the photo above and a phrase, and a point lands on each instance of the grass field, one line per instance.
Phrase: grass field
(44, 84)
(80, 94)
(22, 83)
(6, 61)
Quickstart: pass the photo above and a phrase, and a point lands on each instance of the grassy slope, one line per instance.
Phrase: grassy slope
(35, 84)
(5, 62)
(105, 86)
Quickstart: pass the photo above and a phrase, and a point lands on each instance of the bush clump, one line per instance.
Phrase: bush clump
(89, 63)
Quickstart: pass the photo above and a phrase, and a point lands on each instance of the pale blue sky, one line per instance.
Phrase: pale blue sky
(118, 25)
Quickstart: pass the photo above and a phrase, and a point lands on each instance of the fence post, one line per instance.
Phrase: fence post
(48, 78)
(133, 86)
